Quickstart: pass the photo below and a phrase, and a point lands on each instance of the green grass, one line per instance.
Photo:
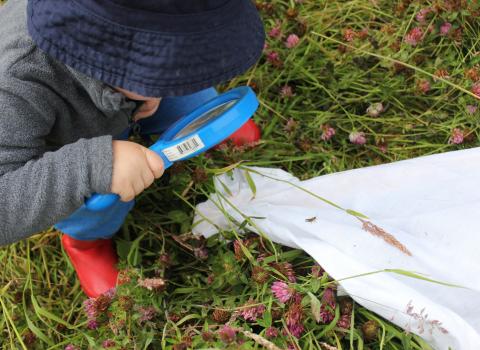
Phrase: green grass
(333, 84)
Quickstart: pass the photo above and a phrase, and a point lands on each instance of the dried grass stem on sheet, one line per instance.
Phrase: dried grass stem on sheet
(387, 237)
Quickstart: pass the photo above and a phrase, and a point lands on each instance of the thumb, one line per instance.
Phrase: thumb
(155, 162)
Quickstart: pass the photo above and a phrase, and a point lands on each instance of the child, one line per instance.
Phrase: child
(74, 73)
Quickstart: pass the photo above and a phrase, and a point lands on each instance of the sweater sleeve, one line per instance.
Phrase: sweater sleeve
(37, 187)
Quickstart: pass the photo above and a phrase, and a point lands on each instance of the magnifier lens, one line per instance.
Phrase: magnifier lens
(203, 119)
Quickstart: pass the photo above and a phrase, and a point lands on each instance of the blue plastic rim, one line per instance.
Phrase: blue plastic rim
(233, 108)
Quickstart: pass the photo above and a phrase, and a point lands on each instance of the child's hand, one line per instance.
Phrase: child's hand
(134, 169)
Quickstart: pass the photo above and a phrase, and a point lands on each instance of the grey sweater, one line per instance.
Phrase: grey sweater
(56, 128)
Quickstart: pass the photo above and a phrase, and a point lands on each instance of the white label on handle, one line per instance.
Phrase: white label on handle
(184, 149)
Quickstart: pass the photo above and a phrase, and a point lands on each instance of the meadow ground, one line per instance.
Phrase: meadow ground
(342, 85)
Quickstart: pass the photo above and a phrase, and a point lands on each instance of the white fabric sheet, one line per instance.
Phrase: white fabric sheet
(429, 204)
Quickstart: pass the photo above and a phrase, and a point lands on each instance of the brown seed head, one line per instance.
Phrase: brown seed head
(259, 274)
(180, 346)
(125, 302)
(102, 303)
(208, 336)
(291, 13)
(29, 338)
(346, 306)
(370, 330)
(473, 74)
(220, 315)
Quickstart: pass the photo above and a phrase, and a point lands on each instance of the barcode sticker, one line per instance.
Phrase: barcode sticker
(184, 149)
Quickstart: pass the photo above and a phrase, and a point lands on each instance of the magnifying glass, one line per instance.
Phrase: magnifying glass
(202, 129)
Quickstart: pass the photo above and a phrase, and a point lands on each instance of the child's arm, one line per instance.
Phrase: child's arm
(38, 189)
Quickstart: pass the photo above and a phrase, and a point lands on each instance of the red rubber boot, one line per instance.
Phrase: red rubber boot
(249, 133)
(95, 263)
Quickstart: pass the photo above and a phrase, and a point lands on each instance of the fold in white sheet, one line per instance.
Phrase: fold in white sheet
(431, 205)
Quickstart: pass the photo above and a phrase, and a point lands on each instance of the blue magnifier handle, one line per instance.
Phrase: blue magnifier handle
(203, 128)
(100, 202)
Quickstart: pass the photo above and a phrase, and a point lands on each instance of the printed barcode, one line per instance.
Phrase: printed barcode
(184, 149)
(188, 146)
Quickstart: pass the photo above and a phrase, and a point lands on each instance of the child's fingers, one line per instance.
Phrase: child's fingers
(128, 195)
(138, 187)
(155, 163)
(148, 178)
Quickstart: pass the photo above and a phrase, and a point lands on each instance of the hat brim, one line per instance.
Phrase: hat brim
(151, 63)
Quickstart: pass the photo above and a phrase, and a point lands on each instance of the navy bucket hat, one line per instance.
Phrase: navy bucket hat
(154, 48)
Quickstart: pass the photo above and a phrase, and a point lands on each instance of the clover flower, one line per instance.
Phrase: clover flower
(259, 274)
(250, 311)
(89, 307)
(327, 310)
(201, 253)
(414, 37)
(471, 109)
(275, 32)
(292, 41)
(157, 284)
(71, 347)
(328, 132)
(292, 346)
(92, 324)
(282, 291)
(349, 35)
(146, 313)
(221, 315)
(123, 277)
(473, 74)
(96, 306)
(423, 86)
(457, 137)
(363, 34)
(296, 329)
(317, 271)
(291, 125)
(274, 58)
(227, 334)
(238, 246)
(286, 91)
(357, 138)
(210, 279)
(285, 268)
(344, 321)
(208, 336)
(375, 109)
(382, 146)
(110, 294)
(294, 317)
(441, 73)
(109, 343)
(476, 89)
(422, 14)
(271, 332)
(445, 28)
